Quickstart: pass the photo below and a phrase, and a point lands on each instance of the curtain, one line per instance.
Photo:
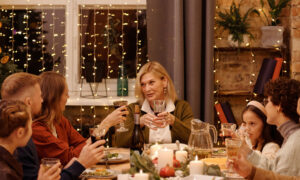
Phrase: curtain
(180, 37)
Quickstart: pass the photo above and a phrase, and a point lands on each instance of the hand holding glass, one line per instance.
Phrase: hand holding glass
(158, 106)
(227, 129)
(232, 147)
(118, 104)
(47, 163)
(97, 134)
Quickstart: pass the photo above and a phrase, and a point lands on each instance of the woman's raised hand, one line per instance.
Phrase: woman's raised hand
(114, 118)
(148, 120)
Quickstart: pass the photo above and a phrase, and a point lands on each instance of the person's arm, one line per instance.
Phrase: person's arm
(270, 150)
(28, 157)
(49, 146)
(181, 127)
(262, 174)
(72, 172)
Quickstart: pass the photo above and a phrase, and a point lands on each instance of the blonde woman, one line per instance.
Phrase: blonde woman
(154, 83)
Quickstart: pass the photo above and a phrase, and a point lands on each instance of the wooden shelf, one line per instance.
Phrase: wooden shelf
(279, 49)
(235, 93)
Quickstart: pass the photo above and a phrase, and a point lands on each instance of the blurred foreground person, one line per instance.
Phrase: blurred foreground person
(15, 131)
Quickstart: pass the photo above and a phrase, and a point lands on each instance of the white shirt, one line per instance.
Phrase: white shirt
(162, 135)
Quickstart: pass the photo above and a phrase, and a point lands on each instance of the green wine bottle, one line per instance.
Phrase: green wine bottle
(122, 83)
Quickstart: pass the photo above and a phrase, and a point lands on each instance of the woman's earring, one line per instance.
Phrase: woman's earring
(165, 90)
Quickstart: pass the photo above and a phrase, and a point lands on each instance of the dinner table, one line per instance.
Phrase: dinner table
(123, 165)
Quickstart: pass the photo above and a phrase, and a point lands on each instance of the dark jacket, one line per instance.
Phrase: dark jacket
(10, 169)
(29, 159)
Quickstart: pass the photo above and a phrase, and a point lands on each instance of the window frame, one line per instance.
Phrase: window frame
(72, 40)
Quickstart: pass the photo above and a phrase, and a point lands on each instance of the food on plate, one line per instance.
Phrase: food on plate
(218, 161)
(98, 172)
(112, 155)
(167, 171)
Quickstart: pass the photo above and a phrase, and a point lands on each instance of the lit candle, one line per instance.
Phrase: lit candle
(154, 148)
(165, 156)
(141, 176)
(181, 156)
(196, 166)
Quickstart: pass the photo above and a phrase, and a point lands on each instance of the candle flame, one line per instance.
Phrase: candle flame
(196, 158)
(141, 171)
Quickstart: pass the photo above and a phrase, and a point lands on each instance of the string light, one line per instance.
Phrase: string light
(12, 16)
(42, 41)
(26, 17)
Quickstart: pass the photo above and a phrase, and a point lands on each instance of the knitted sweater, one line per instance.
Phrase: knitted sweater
(287, 160)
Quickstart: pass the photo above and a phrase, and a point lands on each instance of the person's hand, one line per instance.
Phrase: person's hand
(241, 166)
(164, 119)
(148, 120)
(52, 173)
(91, 153)
(114, 118)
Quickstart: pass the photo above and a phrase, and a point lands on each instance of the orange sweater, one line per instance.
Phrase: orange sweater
(67, 145)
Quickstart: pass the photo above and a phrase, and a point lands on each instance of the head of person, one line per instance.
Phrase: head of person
(55, 95)
(282, 97)
(154, 83)
(254, 118)
(24, 87)
(15, 120)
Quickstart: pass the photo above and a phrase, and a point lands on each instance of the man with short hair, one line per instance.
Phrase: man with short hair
(25, 87)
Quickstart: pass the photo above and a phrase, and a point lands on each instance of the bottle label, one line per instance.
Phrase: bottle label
(136, 118)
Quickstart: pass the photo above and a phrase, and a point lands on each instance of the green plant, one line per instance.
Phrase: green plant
(235, 23)
(274, 11)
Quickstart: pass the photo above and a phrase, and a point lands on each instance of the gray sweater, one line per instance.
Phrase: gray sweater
(287, 160)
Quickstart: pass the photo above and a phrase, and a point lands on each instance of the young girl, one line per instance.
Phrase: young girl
(263, 137)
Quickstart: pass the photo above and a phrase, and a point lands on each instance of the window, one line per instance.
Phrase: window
(71, 36)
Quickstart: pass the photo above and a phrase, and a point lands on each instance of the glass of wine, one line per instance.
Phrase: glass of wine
(118, 104)
(232, 147)
(158, 106)
(97, 134)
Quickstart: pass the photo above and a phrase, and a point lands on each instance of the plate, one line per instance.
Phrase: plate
(233, 176)
(115, 160)
(98, 173)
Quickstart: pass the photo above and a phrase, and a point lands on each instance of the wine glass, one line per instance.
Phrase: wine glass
(227, 129)
(118, 104)
(232, 147)
(158, 106)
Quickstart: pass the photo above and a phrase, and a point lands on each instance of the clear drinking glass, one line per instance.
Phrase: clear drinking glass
(226, 130)
(47, 163)
(118, 104)
(232, 147)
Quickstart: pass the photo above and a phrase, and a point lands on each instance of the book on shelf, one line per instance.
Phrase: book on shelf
(225, 113)
(270, 69)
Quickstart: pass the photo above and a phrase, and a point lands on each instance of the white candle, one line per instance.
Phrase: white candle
(141, 176)
(123, 176)
(196, 167)
(165, 156)
(181, 156)
(154, 148)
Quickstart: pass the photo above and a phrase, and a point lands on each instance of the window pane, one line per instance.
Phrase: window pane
(34, 37)
(102, 45)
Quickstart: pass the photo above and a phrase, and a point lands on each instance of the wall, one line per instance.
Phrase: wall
(234, 69)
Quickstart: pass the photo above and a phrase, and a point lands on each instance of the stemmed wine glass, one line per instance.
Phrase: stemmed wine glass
(118, 104)
(159, 106)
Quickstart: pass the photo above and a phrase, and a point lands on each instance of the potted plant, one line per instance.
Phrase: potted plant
(237, 25)
(272, 34)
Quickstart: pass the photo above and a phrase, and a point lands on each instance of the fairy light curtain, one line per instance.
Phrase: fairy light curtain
(33, 37)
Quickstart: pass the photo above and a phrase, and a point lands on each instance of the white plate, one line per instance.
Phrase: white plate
(202, 177)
